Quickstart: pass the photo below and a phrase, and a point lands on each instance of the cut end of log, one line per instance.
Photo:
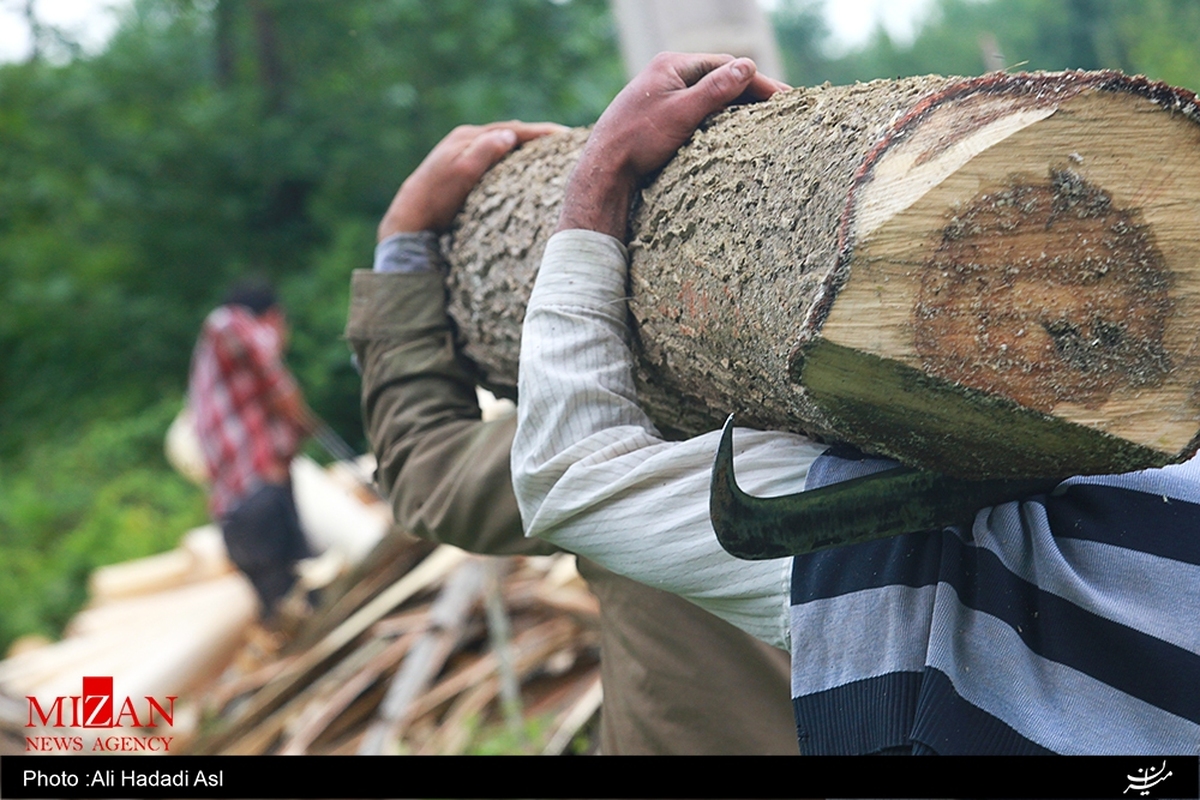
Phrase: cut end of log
(1044, 293)
(1030, 239)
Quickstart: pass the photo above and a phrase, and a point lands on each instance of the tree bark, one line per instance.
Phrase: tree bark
(990, 277)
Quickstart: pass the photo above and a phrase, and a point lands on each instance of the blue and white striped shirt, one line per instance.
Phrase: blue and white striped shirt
(1067, 623)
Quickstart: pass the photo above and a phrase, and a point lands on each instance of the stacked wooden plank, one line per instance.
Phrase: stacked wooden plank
(166, 625)
(422, 650)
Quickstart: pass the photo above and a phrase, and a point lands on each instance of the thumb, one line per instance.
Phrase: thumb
(485, 150)
(722, 86)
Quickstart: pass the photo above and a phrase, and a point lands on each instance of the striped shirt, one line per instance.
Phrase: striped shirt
(1067, 623)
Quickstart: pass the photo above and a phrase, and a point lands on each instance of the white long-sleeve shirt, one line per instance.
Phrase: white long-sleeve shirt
(596, 478)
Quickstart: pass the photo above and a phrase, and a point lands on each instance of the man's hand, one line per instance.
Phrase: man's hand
(429, 199)
(645, 124)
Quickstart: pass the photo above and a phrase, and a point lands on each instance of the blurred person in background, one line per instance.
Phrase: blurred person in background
(251, 419)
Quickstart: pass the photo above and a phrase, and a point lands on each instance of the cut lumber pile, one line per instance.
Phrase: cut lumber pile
(169, 624)
(436, 649)
(418, 649)
(160, 626)
(991, 277)
(414, 648)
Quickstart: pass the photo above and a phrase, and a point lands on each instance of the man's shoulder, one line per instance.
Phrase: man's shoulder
(228, 316)
(236, 324)
(221, 321)
(1179, 482)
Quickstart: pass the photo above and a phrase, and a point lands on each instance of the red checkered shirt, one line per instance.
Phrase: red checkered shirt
(237, 370)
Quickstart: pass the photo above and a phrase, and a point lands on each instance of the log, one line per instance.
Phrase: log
(448, 618)
(572, 720)
(200, 557)
(531, 648)
(992, 277)
(302, 670)
(320, 712)
(198, 627)
(260, 737)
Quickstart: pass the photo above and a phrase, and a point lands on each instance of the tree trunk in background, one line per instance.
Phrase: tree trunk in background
(37, 31)
(992, 277)
(270, 63)
(224, 54)
(738, 27)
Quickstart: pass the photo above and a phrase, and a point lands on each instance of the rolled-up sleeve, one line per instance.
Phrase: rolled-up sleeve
(593, 475)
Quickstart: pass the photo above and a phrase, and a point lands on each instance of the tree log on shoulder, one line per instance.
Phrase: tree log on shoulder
(991, 277)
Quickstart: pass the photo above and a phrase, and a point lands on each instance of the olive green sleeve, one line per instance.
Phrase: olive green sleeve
(444, 471)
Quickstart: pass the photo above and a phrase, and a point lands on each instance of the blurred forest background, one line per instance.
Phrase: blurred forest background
(214, 137)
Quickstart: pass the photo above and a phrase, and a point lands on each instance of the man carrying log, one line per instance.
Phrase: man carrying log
(250, 420)
(1064, 622)
(676, 679)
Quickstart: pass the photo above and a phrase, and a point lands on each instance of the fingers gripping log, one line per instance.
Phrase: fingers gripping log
(990, 278)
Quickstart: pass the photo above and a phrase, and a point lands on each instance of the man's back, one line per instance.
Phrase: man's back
(1055, 624)
(678, 681)
(237, 371)
(1063, 623)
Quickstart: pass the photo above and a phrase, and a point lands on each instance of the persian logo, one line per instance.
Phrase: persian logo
(1145, 779)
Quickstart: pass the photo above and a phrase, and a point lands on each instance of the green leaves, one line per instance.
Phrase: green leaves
(969, 37)
(102, 496)
(212, 139)
(208, 140)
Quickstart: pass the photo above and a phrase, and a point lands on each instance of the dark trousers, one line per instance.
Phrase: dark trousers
(264, 539)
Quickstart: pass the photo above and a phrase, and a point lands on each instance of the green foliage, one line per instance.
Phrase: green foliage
(1161, 41)
(531, 739)
(318, 301)
(800, 32)
(72, 505)
(212, 138)
(960, 37)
